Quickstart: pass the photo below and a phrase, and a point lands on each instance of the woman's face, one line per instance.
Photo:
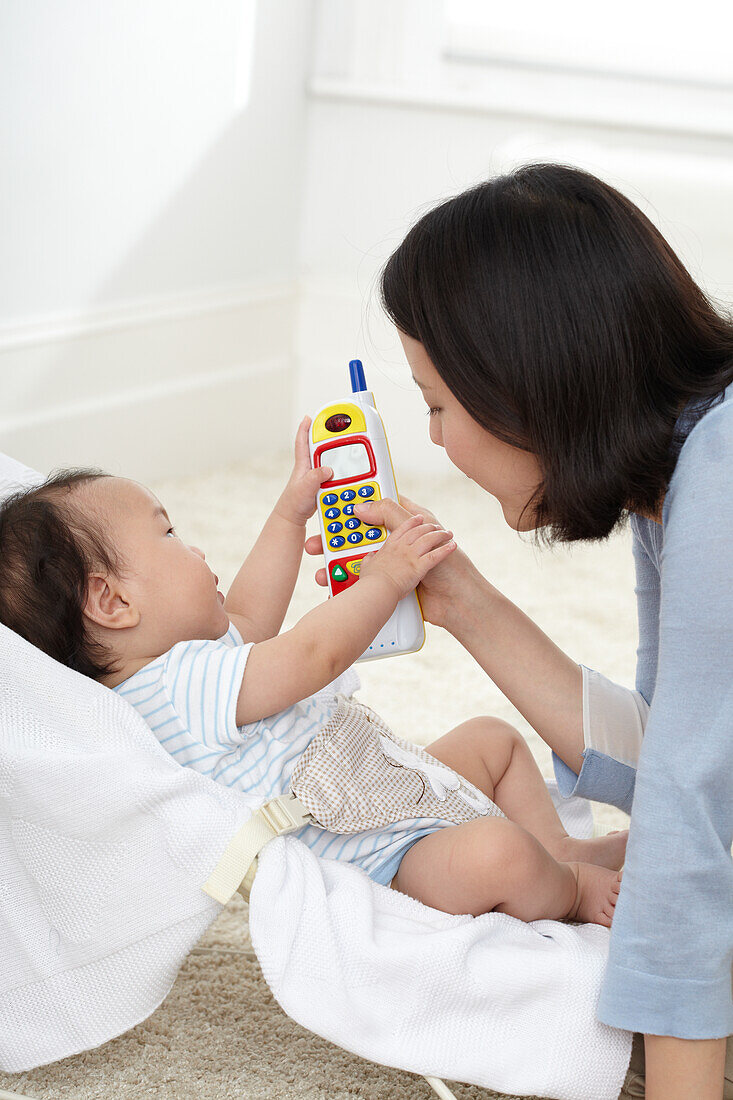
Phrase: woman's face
(509, 474)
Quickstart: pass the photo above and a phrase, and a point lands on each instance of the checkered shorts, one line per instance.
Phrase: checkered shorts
(356, 775)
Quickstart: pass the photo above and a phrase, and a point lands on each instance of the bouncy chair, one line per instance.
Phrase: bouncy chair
(116, 860)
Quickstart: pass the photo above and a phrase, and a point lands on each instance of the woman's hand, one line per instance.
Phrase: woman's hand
(438, 591)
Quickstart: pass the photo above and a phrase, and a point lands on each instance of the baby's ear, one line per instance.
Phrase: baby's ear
(106, 603)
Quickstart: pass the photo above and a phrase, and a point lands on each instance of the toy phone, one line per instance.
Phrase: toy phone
(349, 437)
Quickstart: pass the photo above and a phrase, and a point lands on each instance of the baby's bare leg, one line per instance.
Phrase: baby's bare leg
(492, 864)
(493, 756)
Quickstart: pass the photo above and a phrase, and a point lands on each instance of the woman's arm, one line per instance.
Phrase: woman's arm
(543, 683)
(683, 1069)
(669, 966)
(676, 977)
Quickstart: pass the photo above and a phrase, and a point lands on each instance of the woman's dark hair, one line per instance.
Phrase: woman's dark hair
(48, 547)
(563, 322)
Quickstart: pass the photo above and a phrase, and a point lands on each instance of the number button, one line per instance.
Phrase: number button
(334, 528)
(329, 498)
(374, 533)
(332, 513)
(348, 494)
(353, 523)
(366, 491)
(355, 536)
(337, 541)
(348, 509)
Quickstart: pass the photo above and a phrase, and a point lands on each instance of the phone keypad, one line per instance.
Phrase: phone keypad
(337, 511)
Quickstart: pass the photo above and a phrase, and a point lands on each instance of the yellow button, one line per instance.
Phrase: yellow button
(354, 567)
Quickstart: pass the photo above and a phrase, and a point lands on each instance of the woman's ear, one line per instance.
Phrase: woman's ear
(107, 603)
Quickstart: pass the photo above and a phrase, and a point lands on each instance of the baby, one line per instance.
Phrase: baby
(93, 572)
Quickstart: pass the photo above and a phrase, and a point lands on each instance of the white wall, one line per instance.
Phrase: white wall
(149, 206)
(184, 250)
(386, 144)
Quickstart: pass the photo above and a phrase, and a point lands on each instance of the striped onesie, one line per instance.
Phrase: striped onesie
(188, 697)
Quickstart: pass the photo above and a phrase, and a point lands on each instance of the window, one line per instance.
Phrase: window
(638, 64)
(633, 38)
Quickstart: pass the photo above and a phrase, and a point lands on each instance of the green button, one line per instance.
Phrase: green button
(338, 573)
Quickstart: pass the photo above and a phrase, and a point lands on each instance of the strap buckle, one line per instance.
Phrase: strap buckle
(238, 864)
(285, 813)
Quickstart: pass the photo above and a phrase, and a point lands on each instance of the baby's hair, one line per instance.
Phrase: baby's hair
(563, 322)
(48, 547)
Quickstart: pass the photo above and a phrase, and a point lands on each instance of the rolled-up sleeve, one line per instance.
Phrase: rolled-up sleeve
(614, 717)
(671, 950)
(613, 730)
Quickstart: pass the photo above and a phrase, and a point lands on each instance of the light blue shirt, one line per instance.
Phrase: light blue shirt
(671, 949)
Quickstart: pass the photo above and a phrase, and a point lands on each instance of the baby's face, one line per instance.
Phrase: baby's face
(167, 581)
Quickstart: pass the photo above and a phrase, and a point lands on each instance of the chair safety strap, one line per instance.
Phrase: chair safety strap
(237, 867)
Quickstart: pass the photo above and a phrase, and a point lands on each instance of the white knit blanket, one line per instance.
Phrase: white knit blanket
(488, 1000)
(105, 842)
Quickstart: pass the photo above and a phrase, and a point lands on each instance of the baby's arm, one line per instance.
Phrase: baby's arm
(326, 641)
(262, 589)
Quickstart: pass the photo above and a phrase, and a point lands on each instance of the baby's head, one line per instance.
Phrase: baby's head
(93, 573)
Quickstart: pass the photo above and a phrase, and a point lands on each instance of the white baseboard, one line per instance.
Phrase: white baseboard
(178, 387)
(157, 389)
(166, 431)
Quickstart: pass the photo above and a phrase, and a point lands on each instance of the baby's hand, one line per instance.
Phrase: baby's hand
(298, 500)
(409, 553)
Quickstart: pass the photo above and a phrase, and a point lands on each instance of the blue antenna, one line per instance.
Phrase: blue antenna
(358, 381)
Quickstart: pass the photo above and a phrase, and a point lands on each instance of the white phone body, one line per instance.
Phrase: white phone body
(359, 455)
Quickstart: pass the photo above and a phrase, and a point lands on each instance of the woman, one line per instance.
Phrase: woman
(574, 370)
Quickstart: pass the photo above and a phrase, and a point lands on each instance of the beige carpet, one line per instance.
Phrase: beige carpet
(219, 1035)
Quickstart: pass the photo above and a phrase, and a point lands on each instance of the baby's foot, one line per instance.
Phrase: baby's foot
(596, 894)
(604, 851)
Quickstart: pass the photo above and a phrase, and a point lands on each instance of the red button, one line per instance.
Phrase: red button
(344, 572)
(339, 422)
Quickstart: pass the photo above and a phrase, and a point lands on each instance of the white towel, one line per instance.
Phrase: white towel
(490, 1000)
(105, 842)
